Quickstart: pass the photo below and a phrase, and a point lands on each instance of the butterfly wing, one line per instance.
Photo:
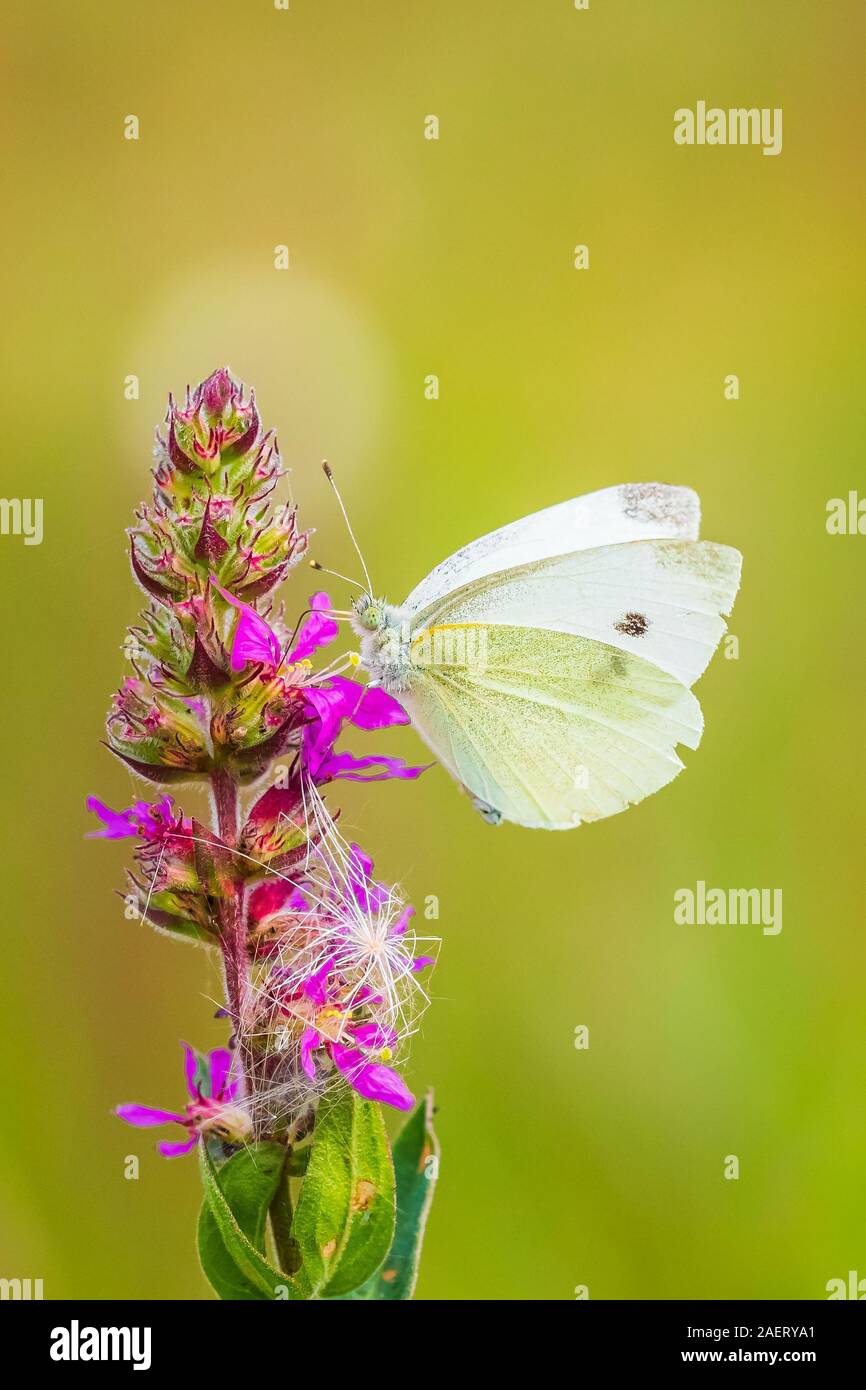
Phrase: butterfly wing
(661, 600)
(553, 659)
(613, 516)
(550, 729)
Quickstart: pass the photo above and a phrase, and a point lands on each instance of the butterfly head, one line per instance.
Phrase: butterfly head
(368, 614)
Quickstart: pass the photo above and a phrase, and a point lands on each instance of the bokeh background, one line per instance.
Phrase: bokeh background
(410, 257)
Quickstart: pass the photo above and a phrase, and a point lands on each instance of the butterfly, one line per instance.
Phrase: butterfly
(549, 665)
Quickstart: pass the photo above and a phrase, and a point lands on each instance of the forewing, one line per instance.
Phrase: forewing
(661, 600)
(629, 512)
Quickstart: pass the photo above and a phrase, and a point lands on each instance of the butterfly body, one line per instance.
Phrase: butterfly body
(386, 637)
(549, 665)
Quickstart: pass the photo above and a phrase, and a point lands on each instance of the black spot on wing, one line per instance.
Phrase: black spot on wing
(632, 625)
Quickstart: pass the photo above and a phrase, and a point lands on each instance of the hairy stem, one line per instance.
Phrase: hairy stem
(233, 925)
(281, 1214)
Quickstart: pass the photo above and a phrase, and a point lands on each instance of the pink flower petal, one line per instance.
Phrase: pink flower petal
(371, 1079)
(183, 1146)
(318, 630)
(309, 1041)
(368, 894)
(402, 922)
(190, 1069)
(116, 824)
(351, 769)
(220, 1070)
(144, 1116)
(373, 1035)
(316, 985)
(253, 639)
(368, 707)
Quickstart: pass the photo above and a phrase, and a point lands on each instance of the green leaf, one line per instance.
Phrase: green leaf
(231, 1228)
(344, 1223)
(178, 928)
(416, 1178)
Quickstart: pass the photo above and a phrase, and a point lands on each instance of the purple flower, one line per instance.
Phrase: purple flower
(256, 641)
(328, 1002)
(318, 630)
(146, 820)
(329, 705)
(253, 639)
(362, 1066)
(210, 1110)
(366, 707)
(371, 1079)
(368, 894)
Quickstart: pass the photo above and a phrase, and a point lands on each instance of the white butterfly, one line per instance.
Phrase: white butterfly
(549, 665)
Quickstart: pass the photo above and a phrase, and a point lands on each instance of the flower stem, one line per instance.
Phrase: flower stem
(281, 1214)
(233, 925)
(226, 799)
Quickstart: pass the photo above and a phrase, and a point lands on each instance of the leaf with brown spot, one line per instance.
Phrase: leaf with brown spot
(415, 1146)
(362, 1197)
(344, 1223)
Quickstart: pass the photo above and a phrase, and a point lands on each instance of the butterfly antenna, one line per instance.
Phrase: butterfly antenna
(326, 467)
(323, 569)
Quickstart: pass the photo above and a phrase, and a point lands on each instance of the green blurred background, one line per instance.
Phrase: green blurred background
(409, 257)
